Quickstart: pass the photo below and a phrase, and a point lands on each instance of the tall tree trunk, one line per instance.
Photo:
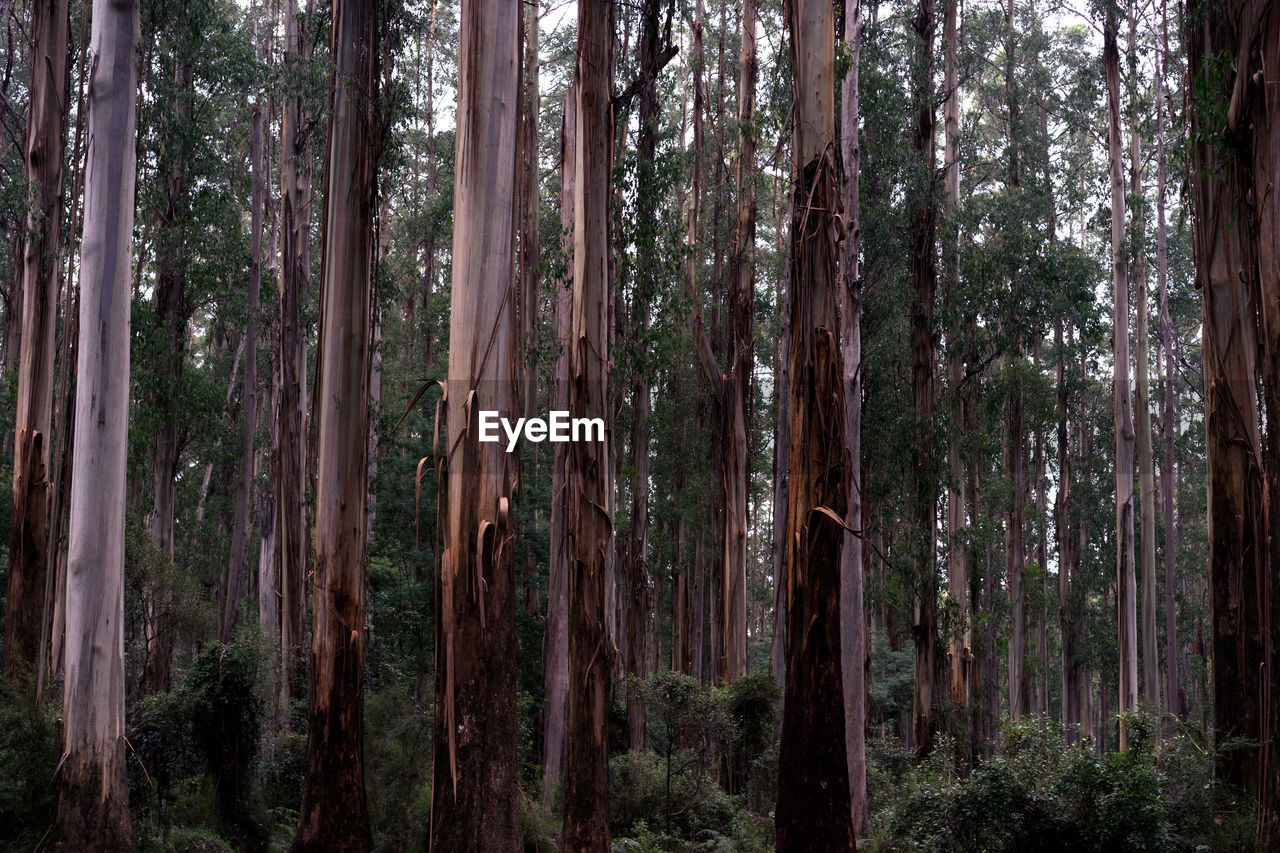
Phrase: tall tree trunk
(1015, 460)
(292, 546)
(43, 146)
(737, 385)
(1142, 403)
(1253, 117)
(1175, 690)
(92, 800)
(959, 646)
(249, 399)
(556, 640)
(334, 812)
(531, 210)
(170, 310)
(1068, 555)
(475, 801)
(853, 624)
(924, 276)
(814, 809)
(589, 524)
(1122, 412)
(638, 594)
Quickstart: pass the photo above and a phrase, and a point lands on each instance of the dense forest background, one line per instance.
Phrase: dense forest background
(980, 559)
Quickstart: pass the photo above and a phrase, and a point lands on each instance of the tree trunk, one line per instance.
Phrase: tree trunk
(1175, 691)
(291, 534)
(959, 648)
(249, 399)
(1142, 403)
(556, 641)
(589, 524)
(334, 813)
(29, 544)
(170, 310)
(853, 639)
(92, 800)
(924, 275)
(737, 386)
(814, 809)
(1126, 580)
(1015, 461)
(530, 236)
(475, 802)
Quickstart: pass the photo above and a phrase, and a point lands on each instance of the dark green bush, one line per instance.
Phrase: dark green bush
(30, 745)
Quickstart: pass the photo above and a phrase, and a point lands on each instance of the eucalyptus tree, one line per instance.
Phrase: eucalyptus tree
(289, 451)
(43, 146)
(814, 809)
(334, 810)
(475, 792)
(588, 520)
(1122, 403)
(853, 639)
(92, 799)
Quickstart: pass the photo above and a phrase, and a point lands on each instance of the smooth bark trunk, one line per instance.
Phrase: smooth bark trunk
(92, 799)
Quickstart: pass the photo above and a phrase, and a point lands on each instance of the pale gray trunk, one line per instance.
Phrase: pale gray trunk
(93, 795)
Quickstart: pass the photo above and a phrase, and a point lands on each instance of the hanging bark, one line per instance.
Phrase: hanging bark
(853, 638)
(334, 812)
(814, 809)
(249, 398)
(292, 547)
(43, 145)
(924, 275)
(475, 801)
(1122, 412)
(556, 639)
(589, 523)
(92, 798)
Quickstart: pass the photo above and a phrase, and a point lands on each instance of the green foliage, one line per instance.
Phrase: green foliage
(194, 748)
(397, 769)
(30, 745)
(1042, 796)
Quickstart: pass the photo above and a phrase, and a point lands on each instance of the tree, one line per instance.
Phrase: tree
(959, 651)
(853, 637)
(249, 400)
(92, 789)
(1122, 405)
(334, 813)
(288, 456)
(555, 655)
(475, 796)
(1142, 396)
(814, 809)
(924, 275)
(43, 145)
(737, 380)
(588, 522)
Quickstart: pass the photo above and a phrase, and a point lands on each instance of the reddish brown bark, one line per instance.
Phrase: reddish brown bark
(814, 809)
(589, 523)
(29, 544)
(334, 812)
